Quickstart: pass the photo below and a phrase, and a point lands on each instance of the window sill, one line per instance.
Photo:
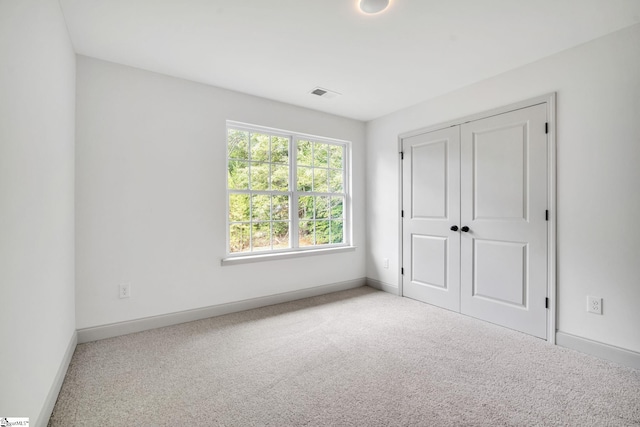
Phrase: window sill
(246, 259)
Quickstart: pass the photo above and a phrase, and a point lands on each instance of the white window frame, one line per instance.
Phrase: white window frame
(294, 249)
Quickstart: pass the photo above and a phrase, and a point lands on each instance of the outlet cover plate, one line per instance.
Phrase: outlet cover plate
(594, 305)
(125, 290)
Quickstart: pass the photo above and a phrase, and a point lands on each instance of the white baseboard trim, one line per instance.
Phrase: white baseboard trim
(139, 325)
(54, 391)
(604, 351)
(377, 284)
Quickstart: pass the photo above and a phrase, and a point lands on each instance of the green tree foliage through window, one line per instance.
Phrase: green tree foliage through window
(262, 202)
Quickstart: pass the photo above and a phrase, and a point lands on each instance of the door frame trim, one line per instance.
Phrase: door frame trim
(550, 100)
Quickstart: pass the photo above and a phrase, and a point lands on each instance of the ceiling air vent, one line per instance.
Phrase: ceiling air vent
(324, 93)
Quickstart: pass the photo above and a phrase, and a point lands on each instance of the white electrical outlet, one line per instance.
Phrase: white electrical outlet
(125, 290)
(385, 263)
(594, 305)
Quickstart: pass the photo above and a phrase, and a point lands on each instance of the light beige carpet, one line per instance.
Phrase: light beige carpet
(353, 358)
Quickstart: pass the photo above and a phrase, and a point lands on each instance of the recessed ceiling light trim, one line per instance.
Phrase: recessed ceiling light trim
(373, 6)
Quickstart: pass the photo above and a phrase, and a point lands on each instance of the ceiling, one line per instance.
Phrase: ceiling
(282, 49)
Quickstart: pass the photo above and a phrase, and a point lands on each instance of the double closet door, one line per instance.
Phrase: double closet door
(475, 219)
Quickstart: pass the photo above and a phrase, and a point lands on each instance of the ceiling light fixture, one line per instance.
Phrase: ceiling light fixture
(373, 6)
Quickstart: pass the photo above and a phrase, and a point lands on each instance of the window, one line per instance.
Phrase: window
(286, 192)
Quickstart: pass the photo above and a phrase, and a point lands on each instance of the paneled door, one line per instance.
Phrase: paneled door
(474, 219)
(431, 206)
(503, 204)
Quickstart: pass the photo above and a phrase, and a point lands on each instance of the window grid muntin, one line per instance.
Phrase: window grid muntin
(329, 219)
(301, 193)
(251, 220)
(293, 193)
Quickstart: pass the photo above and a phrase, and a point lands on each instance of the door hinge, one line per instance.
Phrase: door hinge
(546, 127)
(546, 303)
(402, 214)
(402, 155)
(546, 215)
(402, 271)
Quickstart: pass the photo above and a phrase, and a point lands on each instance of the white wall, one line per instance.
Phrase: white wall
(151, 192)
(37, 102)
(598, 160)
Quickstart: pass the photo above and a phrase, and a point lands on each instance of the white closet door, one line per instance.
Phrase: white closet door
(431, 205)
(503, 202)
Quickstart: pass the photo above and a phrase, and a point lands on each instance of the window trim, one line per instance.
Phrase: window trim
(272, 256)
(294, 250)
